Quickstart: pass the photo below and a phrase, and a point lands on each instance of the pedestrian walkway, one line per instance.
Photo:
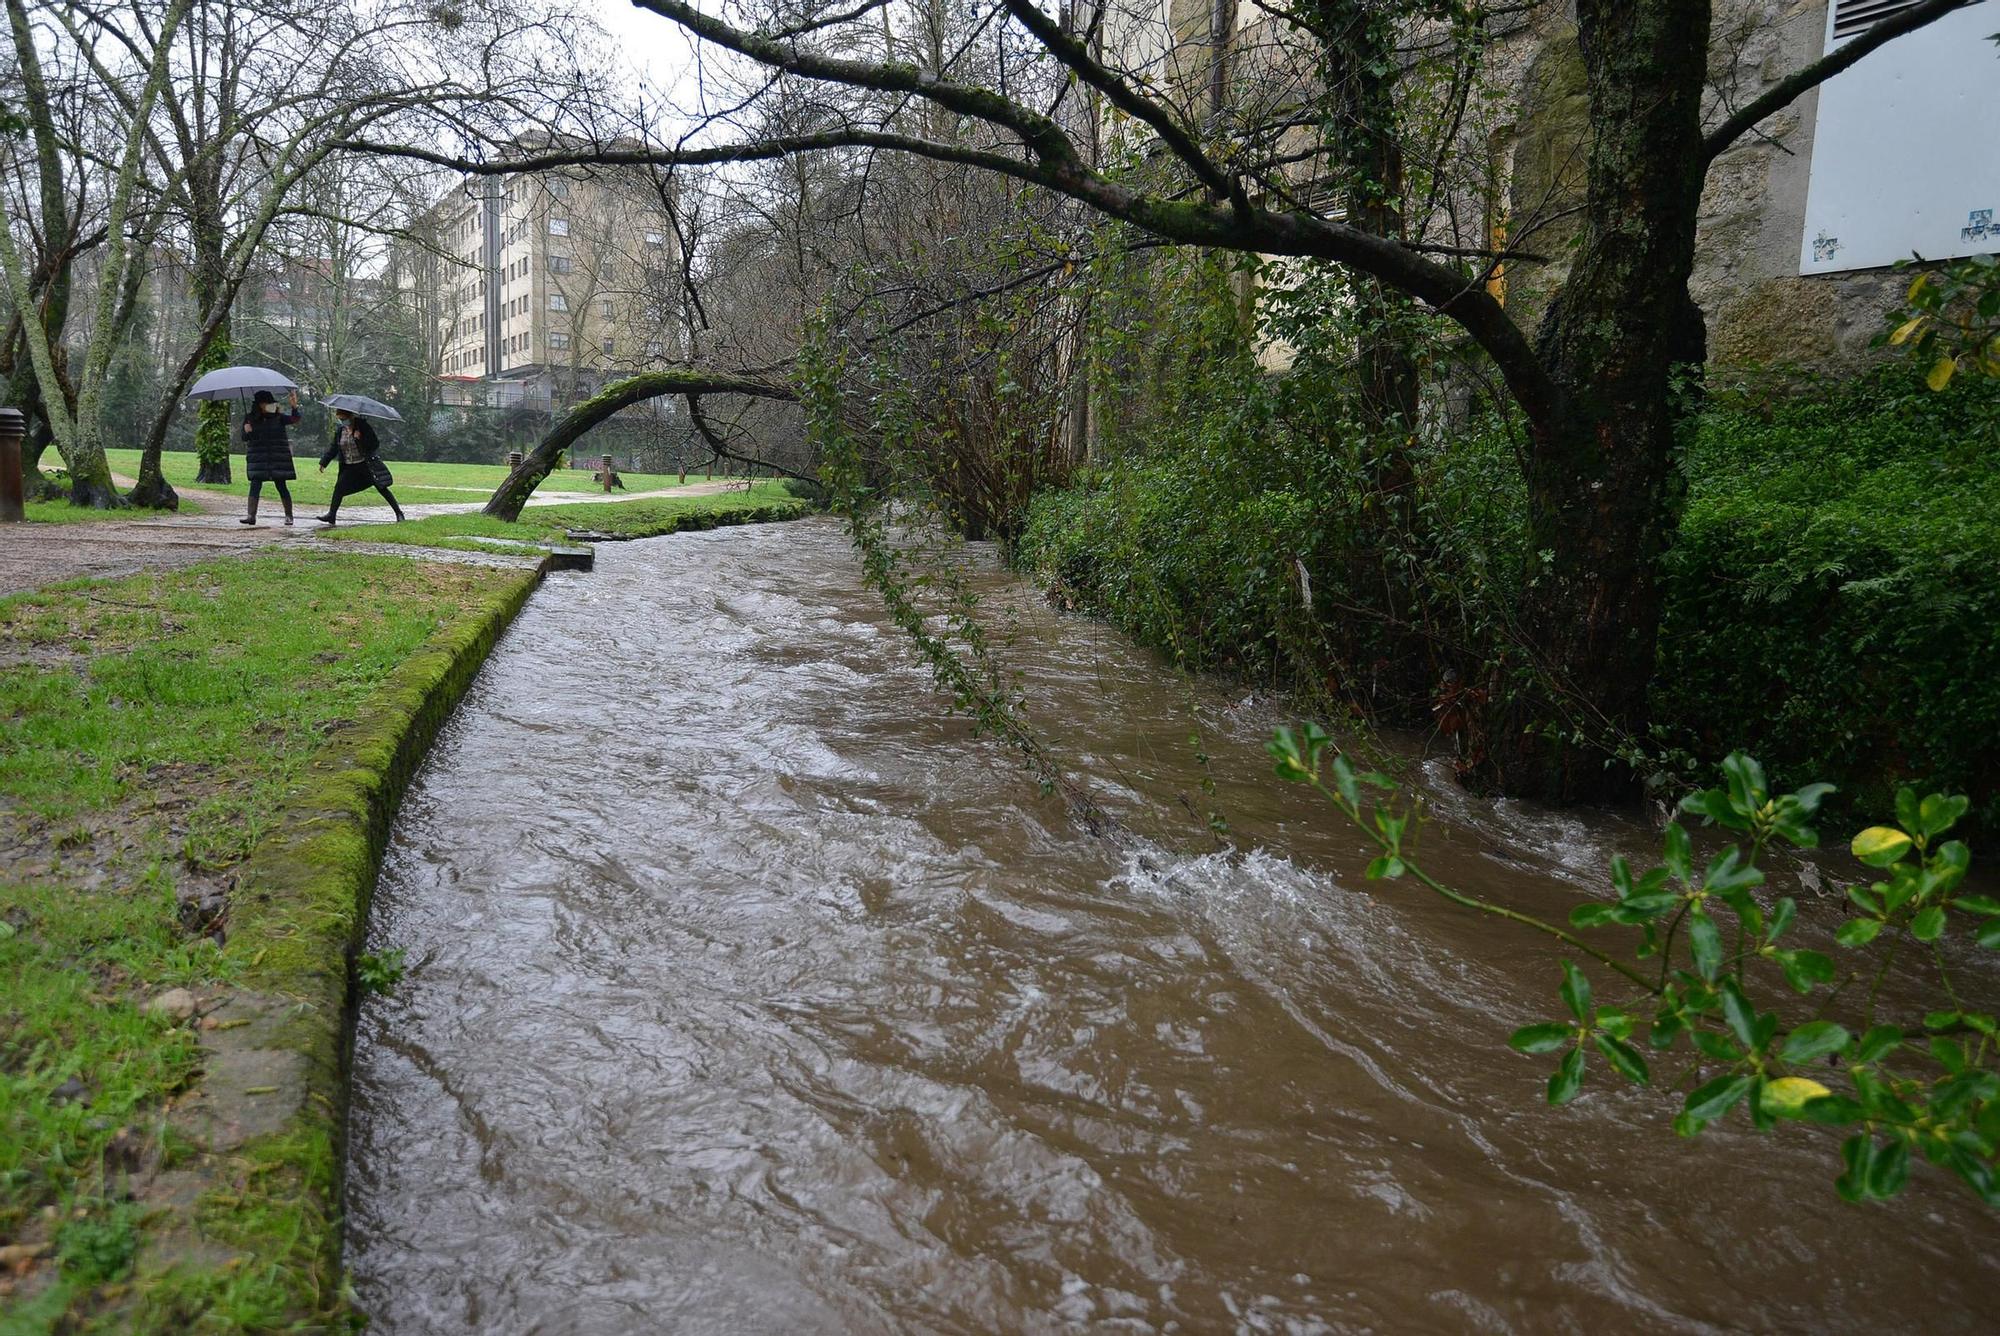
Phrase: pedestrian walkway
(33, 555)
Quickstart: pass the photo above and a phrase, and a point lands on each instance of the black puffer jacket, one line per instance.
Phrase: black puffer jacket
(267, 446)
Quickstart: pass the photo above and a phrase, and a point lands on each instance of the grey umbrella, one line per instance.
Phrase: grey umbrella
(362, 404)
(233, 382)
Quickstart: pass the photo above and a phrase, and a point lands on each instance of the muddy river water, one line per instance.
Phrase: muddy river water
(747, 993)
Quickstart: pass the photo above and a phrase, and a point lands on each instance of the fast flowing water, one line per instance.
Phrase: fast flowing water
(747, 993)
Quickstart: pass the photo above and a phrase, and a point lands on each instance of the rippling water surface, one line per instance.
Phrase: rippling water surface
(746, 994)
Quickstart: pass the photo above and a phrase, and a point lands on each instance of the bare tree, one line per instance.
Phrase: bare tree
(1595, 382)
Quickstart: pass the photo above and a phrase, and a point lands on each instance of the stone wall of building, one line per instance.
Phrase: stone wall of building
(1760, 310)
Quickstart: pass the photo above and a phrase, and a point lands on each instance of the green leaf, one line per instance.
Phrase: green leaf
(1621, 876)
(1928, 925)
(1989, 935)
(1858, 931)
(1592, 916)
(1719, 1047)
(1388, 865)
(1544, 1038)
(1727, 872)
(1877, 1043)
(1890, 1170)
(1568, 1078)
(1623, 1057)
(1344, 783)
(1640, 908)
(1704, 943)
(1908, 809)
(1747, 790)
(1576, 991)
(1736, 1010)
(1858, 1154)
(1711, 1101)
(1983, 905)
(1810, 797)
(1938, 813)
(1815, 1039)
(1833, 1110)
(1787, 1096)
(1803, 969)
(1677, 852)
(1879, 846)
(1782, 915)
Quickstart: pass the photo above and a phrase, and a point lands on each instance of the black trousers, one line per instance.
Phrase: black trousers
(284, 492)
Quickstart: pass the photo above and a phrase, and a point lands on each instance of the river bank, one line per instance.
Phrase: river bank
(201, 762)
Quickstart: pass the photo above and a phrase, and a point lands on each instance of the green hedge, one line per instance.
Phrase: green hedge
(1834, 597)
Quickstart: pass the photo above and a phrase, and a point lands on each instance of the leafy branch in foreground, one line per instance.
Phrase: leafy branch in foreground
(1710, 956)
(1950, 319)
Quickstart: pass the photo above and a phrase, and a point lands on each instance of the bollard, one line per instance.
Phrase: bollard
(513, 460)
(607, 473)
(13, 426)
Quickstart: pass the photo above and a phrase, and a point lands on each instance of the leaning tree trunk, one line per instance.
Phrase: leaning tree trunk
(1602, 486)
(519, 485)
(152, 489)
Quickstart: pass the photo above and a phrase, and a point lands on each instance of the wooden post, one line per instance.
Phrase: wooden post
(13, 426)
(513, 460)
(607, 473)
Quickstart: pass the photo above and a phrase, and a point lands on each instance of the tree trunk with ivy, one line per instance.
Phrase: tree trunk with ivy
(1602, 487)
(215, 418)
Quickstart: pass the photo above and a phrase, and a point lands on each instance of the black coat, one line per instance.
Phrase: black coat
(358, 475)
(267, 447)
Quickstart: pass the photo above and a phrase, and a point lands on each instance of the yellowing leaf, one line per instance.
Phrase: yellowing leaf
(1940, 375)
(1880, 846)
(1788, 1094)
(1904, 330)
(1918, 286)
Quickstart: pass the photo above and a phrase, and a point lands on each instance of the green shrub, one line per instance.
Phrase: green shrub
(1833, 600)
(1834, 596)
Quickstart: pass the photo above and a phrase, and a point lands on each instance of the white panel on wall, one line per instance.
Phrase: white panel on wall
(1906, 152)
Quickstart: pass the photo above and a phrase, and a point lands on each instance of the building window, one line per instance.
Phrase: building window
(610, 346)
(557, 339)
(656, 239)
(558, 187)
(559, 264)
(604, 308)
(606, 269)
(558, 302)
(558, 227)
(656, 349)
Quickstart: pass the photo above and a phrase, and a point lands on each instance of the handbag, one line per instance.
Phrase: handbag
(378, 472)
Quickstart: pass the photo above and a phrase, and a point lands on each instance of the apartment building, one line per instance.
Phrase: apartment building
(556, 282)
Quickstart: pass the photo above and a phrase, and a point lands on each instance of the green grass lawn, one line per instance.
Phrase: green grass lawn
(152, 729)
(416, 483)
(548, 524)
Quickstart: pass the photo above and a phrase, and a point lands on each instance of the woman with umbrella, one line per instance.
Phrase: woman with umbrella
(356, 445)
(267, 450)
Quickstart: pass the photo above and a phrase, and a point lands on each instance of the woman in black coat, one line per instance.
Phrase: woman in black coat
(355, 446)
(267, 450)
